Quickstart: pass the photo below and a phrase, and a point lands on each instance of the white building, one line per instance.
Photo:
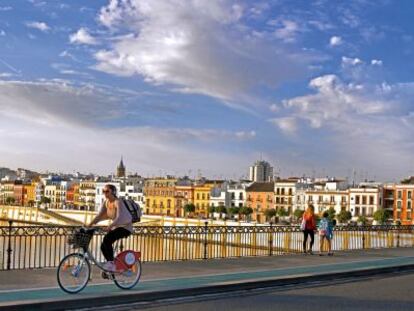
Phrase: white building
(261, 171)
(365, 201)
(237, 194)
(219, 196)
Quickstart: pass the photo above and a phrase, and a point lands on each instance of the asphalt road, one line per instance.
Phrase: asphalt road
(388, 293)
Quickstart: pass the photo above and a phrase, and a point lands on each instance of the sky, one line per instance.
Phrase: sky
(315, 87)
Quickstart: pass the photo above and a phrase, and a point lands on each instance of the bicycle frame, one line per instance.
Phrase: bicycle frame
(89, 256)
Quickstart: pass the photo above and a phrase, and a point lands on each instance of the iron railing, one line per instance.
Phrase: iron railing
(24, 247)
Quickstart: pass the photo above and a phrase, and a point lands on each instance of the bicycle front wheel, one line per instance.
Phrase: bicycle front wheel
(73, 273)
(129, 278)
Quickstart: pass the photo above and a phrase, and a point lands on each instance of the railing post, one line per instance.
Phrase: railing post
(205, 239)
(363, 239)
(271, 239)
(9, 249)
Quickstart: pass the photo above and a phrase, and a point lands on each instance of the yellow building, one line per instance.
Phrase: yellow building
(184, 194)
(160, 196)
(30, 194)
(202, 196)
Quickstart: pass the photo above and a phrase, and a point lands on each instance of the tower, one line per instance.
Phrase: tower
(120, 170)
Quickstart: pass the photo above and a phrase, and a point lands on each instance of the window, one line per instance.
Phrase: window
(290, 191)
(277, 200)
(240, 196)
(203, 196)
(332, 199)
(357, 199)
(198, 196)
(400, 194)
(364, 199)
(283, 191)
(371, 200)
(409, 194)
(409, 215)
(398, 204)
(233, 196)
(409, 205)
(320, 199)
(277, 191)
(356, 211)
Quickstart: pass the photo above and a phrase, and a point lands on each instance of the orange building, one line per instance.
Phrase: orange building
(401, 198)
(184, 194)
(260, 197)
(18, 194)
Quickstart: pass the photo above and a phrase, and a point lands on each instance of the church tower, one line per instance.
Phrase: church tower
(120, 170)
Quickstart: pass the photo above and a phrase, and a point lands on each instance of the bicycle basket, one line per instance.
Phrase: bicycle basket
(79, 239)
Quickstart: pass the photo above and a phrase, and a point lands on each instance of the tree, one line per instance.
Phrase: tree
(31, 203)
(45, 200)
(246, 211)
(344, 216)
(382, 215)
(221, 210)
(10, 200)
(234, 210)
(298, 213)
(270, 213)
(211, 210)
(363, 220)
(282, 212)
(189, 208)
(331, 213)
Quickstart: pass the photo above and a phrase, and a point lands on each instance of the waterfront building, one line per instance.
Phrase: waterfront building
(260, 197)
(159, 196)
(202, 192)
(6, 191)
(184, 194)
(87, 195)
(237, 193)
(285, 194)
(365, 201)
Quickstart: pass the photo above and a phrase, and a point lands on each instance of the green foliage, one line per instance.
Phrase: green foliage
(344, 216)
(331, 213)
(270, 213)
(298, 213)
(10, 200)
(282, 212)
(221, 209)
(45, 200)
(382, 215)
(234, 210)
(189, 208)
(363, 220)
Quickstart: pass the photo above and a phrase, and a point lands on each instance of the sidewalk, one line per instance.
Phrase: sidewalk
(37, 289)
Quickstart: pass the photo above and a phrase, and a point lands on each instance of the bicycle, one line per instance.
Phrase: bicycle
(74, 270)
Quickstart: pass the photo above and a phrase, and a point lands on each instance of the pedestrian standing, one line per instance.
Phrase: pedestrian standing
(308, 226)
(325, 229)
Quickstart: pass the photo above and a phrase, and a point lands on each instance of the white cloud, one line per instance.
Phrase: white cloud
(376, 62)
(286, 124)
(287, 30)
(82, 36)
(2, 33)
(5, 8)
(38, 25)
(57, 115)
(347, 61)
(194, 47)
(365, 125)
(6, 75)
(335, 41)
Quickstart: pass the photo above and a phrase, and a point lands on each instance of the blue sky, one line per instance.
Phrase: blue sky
(315, 87)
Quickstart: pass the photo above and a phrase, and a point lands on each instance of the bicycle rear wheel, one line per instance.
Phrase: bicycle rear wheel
(129, 278)
(73, 273)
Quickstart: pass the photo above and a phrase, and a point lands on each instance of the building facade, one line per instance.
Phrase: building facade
(260, 197)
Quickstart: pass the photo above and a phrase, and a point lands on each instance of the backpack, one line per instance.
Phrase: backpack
(323, 227)
(133, 208)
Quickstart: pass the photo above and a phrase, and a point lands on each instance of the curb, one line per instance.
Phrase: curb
(75, 302)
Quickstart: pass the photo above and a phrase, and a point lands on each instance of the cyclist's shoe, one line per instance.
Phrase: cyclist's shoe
(109, 266)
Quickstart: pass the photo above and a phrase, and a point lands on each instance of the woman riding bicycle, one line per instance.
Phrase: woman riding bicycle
(120, 227)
